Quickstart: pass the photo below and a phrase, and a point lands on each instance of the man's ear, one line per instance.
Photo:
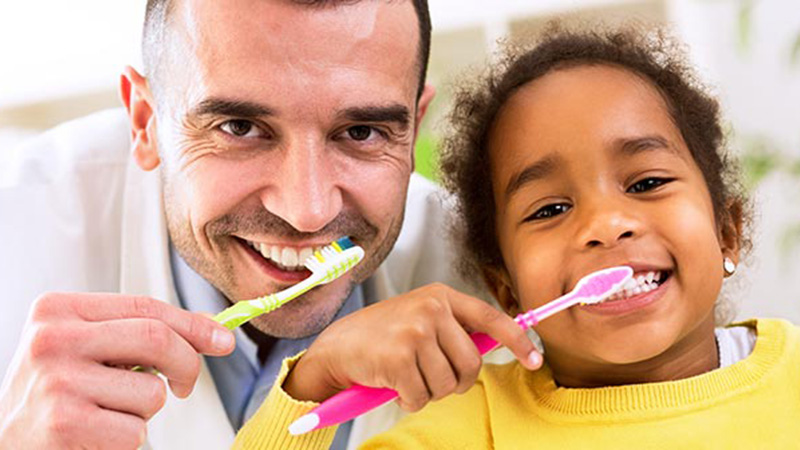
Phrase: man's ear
(499, 284)
(428, 92)
(138, 100)
(731, 230)
(425, 99)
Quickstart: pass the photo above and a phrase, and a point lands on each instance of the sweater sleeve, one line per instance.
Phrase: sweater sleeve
(456, 422)
(268, 428)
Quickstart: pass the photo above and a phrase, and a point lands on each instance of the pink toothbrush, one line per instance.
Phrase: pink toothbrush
(357, 399)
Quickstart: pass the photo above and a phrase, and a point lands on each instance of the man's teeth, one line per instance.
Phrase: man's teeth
(639, 284)
(286, 258)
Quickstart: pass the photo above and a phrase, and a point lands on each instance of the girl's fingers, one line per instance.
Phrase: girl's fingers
(462, 354)
(437, 371)
(478, 315)
(410, 386)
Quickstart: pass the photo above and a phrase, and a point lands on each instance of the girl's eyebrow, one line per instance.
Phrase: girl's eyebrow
(633, 146)
(537, 170)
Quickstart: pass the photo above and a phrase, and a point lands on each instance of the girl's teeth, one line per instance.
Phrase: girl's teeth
(638, 285)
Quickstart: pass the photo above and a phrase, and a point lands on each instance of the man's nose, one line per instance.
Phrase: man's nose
(607, 223)
(304, 189)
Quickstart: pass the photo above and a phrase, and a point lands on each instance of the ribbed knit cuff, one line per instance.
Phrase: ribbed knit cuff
(268, 429)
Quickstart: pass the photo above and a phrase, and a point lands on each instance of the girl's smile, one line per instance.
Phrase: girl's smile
(645, 293)
(589, 171)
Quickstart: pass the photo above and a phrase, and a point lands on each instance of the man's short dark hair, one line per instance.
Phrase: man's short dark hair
(158, 12)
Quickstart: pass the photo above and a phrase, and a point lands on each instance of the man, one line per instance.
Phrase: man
(262, 129)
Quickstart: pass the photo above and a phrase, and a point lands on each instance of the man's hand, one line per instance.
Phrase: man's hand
(415, 344)
(70, 383)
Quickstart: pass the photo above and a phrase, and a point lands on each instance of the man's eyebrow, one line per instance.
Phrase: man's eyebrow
(533, 172)
(392, 113)
(230, 108)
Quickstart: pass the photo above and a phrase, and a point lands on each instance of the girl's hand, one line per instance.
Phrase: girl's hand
(416, 344)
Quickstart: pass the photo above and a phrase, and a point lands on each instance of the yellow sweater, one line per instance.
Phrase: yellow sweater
(754, 403)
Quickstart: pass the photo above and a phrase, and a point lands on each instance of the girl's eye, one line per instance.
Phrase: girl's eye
(647, 184)
(241, 128)
(549, 211)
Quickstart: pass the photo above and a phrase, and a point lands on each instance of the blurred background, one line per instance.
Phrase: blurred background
(61, 60)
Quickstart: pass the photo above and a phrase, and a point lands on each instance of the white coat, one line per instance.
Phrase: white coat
(77, 214)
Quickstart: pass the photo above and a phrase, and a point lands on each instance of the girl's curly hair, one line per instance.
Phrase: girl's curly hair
(653, 55)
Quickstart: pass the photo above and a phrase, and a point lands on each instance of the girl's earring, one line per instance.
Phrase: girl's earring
(729, 266)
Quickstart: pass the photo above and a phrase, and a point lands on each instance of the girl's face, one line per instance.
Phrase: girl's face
(589, 171)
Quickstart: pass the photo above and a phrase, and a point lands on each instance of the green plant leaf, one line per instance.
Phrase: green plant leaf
(426, 156)
(794, 55)
(758, 160)
(744, 25)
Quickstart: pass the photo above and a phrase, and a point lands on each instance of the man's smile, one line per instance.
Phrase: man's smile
(285, 270)
(286, 257)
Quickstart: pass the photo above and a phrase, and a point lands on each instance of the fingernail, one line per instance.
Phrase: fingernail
(221, 339)
(535, 360)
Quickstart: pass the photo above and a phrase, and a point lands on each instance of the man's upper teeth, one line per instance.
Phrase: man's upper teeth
(290, 258)
(639, 284)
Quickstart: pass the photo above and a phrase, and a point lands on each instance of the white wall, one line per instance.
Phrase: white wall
(760, 92)
(60, 59)
(51, 48)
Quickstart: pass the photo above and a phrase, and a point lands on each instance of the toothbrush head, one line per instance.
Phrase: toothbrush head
(334, 259)
(598, 286)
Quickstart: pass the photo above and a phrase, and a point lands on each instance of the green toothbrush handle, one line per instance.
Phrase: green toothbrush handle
(238, 314)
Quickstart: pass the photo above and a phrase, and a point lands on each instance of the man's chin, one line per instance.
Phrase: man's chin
(298, 319)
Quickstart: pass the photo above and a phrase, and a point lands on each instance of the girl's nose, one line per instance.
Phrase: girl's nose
(607, 225)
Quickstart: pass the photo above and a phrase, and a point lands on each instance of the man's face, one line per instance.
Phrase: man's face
(280, 129)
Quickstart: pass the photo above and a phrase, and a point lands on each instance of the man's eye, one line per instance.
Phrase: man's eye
(647, 184)
(360, 132)
(240, 128)
(549, 211)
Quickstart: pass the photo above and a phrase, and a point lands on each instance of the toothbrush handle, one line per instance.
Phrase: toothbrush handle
(357, 400)
(486, 343)
(238, 314)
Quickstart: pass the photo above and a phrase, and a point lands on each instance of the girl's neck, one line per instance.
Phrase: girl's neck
(695, 354)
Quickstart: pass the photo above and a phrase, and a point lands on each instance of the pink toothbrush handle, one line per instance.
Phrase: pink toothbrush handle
(357, 400)
(351, 403)
(484, 342)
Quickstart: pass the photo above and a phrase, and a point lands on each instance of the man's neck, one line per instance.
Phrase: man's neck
(263, 341)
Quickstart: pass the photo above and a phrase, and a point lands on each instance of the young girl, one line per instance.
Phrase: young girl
(588, 151)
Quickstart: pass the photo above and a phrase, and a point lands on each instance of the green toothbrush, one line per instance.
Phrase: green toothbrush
(326, 265)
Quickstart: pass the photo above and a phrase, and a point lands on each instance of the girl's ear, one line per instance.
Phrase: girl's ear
(500, 287)
(731, 231)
